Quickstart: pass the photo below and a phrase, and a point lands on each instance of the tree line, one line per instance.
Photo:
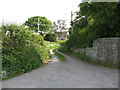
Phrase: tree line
(94, 20)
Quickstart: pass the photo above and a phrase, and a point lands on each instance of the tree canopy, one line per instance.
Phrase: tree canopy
(44, 23)
(22, 51)
(94, 20)
(104, 15)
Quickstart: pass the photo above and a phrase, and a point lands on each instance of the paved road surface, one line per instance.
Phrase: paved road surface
(70, 74)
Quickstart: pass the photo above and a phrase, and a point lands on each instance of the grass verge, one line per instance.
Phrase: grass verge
(51, 45)
(87, 59)
(60, 56)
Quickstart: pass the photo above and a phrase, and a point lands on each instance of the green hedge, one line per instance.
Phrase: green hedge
(22, 51)
(83, 38)
(50, 37)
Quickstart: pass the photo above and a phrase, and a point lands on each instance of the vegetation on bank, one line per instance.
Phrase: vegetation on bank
(87, 59)
(60, 56)
(50, 37)
(22, 51)
(51, 45)
(84, 58)
(94, 20)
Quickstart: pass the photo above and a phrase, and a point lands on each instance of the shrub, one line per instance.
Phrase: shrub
(22, 50)
(83, 38)
(89, 25)
(60, 56)
(61, 42)
(63, 47)
(50, 37)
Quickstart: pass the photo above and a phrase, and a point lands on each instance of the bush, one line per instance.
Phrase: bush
(61, 42)
(63, 47)
(22, 50)
(89, 25)
(60, 56)
(83, 38)
(50, 37)
(23, 61)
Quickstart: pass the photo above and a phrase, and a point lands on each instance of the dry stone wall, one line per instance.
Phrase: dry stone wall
(106, 50)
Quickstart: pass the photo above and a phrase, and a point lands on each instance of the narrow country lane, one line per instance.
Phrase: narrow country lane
(70, 74)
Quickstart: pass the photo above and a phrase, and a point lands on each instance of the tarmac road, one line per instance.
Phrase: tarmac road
(70, 74)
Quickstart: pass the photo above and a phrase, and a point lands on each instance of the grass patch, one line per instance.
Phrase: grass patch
(87, 59)
(51, 45)
(62, 41)
(81, 57)
(60, 56)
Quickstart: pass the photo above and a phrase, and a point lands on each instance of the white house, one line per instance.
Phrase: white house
(62, 35)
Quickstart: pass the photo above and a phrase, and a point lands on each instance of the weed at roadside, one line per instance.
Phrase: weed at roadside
(60, 56)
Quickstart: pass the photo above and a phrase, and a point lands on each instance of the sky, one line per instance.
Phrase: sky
(18, 11)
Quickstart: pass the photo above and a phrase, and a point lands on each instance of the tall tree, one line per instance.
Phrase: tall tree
(105, 16)
(94, 20)
(44, 24)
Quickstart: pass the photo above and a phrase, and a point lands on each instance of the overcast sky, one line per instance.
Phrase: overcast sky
(18, 11)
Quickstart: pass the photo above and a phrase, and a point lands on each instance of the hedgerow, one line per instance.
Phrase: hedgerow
(92, 21)
(50, 37)
(22, 51)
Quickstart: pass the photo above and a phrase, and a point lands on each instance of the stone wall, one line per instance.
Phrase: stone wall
(104, 49)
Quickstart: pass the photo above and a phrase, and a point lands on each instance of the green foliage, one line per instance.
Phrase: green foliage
(81, 56)
(105, 16)
(79, 23)
(62, 41)
(22, 51)
(44, 23)
(50, 37)
(94, 20)
(60, 56)
(62, 47)
(83, 38)
(51, 45)
(87, 59)
(19, 36)
(43, 52)
(22, 61)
